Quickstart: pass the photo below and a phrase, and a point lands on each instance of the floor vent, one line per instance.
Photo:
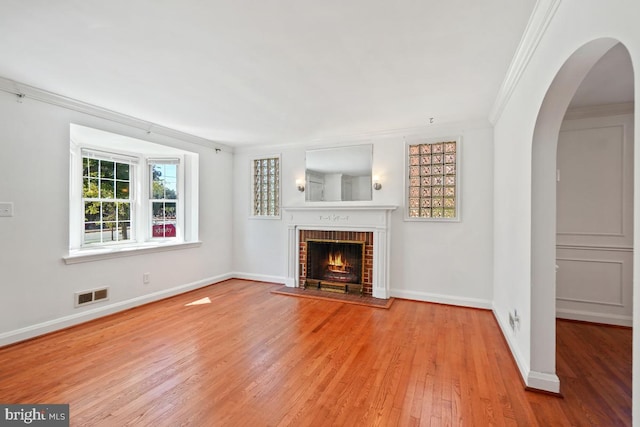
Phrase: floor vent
(91, 296)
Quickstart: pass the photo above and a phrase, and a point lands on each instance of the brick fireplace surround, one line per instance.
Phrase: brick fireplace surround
(366, 223)
(361, 236)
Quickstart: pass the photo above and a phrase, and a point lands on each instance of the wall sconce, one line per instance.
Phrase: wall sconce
(300, 185)
(376, 182)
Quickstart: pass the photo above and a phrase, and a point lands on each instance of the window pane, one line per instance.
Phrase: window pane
(122, 190)
(92, 232)
(92, 211)
(107, 169)
(170, 210)
(122, 171)
(93, 167)
(89, 188)
(170, 171)
(170, 189)
(124, 211)
(106, 189)
(109, 233)
(108, 211)
(124, 230)
(157, 209)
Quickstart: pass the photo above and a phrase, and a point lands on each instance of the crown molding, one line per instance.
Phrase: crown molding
(22, 90)
(603, 110)
(543, 13)
(425, 131)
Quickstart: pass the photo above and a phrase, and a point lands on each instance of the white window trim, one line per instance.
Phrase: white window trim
(187, 233)
(252, 187)
(430, 140)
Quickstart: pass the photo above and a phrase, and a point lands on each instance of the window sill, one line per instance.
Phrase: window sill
(98, 254)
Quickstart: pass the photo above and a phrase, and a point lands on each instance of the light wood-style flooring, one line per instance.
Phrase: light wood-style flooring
(242, 356)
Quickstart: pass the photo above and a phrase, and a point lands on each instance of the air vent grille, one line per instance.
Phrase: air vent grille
(91, 296)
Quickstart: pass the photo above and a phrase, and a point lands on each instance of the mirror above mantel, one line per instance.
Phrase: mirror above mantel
(339, 174)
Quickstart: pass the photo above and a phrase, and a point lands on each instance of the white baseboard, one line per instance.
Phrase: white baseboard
(441, 299)
(543, 381)
(259, 277)
(532, 379)
(589, 316)
(522, 365)
(32, 331)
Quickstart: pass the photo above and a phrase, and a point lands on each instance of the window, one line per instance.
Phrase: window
(128, 194)
(163, 197)
(106, 198)
(266, 187)
(432, 192)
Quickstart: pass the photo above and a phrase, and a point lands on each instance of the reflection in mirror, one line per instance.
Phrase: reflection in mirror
(339, 174)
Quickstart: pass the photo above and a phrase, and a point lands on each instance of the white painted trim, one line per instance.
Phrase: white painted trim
(596, 248)
(521, 362)
(41, 95)
(587, 316)
(532, 379)
(259, 277)
(88, 255)
(543, 381)
(541, 17)
(603, 110)
(95, 313)
(442, 299)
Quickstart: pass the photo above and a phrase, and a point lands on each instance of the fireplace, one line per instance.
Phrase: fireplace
(336, 261)
(335, 265)
(364, 225)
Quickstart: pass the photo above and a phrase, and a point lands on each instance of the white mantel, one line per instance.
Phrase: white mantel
(356, 217)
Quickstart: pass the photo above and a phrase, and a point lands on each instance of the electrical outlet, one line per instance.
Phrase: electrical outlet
(6, 209)
(146, 278)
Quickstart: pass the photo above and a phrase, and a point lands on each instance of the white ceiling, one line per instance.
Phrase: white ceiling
(282, 71)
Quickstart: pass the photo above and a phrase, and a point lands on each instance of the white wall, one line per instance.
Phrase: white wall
(37, 287)
(594, 246)
(575, 24)
(443, 262)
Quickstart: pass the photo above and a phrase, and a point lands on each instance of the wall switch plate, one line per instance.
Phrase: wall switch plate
(6, 208)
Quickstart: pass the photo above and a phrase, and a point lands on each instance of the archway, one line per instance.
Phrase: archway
(543, 210)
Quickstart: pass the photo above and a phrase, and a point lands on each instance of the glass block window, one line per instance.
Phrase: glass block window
(106, 199)
(432, 169)
(266, 187)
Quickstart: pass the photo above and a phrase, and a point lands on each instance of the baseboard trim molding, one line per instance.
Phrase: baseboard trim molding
(533, 380)
(549, 383)
(259, 277)
(593, 317)
(22, 334)
(522, 365)
(441, 299)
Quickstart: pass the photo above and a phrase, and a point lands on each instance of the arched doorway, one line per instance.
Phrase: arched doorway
(543, 210)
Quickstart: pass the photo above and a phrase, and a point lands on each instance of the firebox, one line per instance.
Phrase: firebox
(335, 265)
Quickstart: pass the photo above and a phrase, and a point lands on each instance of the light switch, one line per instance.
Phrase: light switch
(6, 208)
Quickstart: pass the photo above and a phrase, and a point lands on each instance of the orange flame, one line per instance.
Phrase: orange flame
(337, 264)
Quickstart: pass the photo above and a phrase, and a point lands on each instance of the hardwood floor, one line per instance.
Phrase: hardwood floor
(249, 357)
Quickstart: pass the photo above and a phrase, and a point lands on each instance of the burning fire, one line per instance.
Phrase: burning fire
(337, 264)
